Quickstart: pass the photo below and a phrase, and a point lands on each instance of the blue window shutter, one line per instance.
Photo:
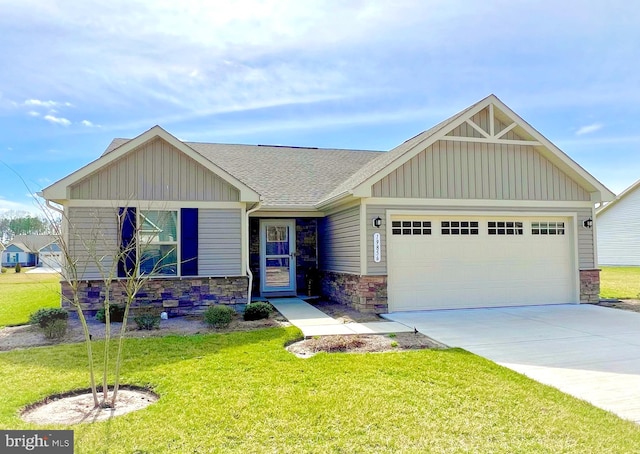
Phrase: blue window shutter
(189, 242)
(127, 262)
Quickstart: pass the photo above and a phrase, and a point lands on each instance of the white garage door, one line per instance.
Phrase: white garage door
(437, 262)
(51, 259)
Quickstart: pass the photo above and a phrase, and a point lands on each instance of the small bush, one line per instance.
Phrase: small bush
(116, 313)
(219, 316)
(18, 268)
(56, 329)
(45, 317)
(3, 270)
(147, 318)
(257, 311)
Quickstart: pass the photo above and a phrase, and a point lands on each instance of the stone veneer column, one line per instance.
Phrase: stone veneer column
(590, 286)
(364, 293)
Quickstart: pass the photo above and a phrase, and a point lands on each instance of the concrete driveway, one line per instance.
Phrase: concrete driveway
(590, 352)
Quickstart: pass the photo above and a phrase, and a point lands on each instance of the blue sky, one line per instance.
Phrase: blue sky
(344, 74)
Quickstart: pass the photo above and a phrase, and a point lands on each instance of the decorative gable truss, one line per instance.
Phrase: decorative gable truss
(491, 125)
(485, 152)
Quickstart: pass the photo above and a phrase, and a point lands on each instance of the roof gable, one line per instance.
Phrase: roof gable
(61, 189)
(155, 170)
(16, 247)
(626, 194)
(488, 121)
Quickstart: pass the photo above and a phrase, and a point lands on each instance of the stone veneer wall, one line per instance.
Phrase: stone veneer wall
(589, 286)
(185, 296)
(364, 293)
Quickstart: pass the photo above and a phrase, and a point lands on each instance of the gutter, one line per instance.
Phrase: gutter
(255, 208)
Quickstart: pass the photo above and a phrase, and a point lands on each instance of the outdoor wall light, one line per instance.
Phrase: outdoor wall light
(377, 222)
(588, 223)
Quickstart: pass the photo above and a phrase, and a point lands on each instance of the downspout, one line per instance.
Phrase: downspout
(248, 256)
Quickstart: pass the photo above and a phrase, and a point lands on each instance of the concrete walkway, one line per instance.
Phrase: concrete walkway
(314, 322)
(587, 351)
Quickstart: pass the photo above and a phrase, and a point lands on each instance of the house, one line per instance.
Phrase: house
(618, 241)
(480, 210)
(32, 250)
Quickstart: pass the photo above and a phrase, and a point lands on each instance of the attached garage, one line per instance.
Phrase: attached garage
(50, 259)
(467, 261)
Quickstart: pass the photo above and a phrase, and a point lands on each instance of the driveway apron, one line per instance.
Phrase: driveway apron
(587, 351)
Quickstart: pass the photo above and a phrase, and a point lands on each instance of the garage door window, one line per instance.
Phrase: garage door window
(459, 227)
(547, 228)
(505, 228)
(411, 227)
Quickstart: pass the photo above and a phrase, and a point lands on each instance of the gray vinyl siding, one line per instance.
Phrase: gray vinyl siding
(618, 236)
(92, 235)
(471, 170)
(220, 242)
(586, 257)
(155, 171)
(339, 242)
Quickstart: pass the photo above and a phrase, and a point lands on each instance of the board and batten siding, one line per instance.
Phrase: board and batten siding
(92, 234)
(155, 171)
(586, 256)
(470, 170)
(339, 242)
(618, 236)
(219, 242)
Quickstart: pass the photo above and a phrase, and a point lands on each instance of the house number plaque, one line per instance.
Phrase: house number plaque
(376, 248)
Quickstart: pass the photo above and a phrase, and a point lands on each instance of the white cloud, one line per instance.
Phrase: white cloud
(9, 205)
(33, 113)
(89, 124)
(588, 129)
(57, 120)
(46, 104)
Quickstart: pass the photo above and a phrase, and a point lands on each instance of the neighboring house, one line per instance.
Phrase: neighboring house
(480, 210)
(32, 250)
(618, 240)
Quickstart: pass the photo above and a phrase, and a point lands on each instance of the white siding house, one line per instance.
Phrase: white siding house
(618, 231)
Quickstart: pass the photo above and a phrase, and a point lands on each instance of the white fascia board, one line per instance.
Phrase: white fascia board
(59, 190)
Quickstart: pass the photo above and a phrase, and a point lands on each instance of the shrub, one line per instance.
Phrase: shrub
(116, 313)
(147, 318)
(18, 267)
(257, 311)
(44, 317)
(3, 270)
(219, 316)
(56, 329)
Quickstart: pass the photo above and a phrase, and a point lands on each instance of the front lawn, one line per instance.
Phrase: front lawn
(621, 282)
(22, 293)
(242, 392)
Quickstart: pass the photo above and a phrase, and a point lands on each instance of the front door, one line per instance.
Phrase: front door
(277, 257)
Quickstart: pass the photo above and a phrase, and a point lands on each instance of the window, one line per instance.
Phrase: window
(459, 227)
(505, 228)
(547, 228)
(411, 227)
(158, 242)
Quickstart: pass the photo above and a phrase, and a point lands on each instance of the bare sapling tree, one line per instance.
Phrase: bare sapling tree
(118, 247)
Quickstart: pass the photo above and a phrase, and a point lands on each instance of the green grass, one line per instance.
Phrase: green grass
(21, 294)
(622, 282)
(242, 392)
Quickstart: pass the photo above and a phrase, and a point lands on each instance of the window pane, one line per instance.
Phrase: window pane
(158, 226)
(159, 259)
